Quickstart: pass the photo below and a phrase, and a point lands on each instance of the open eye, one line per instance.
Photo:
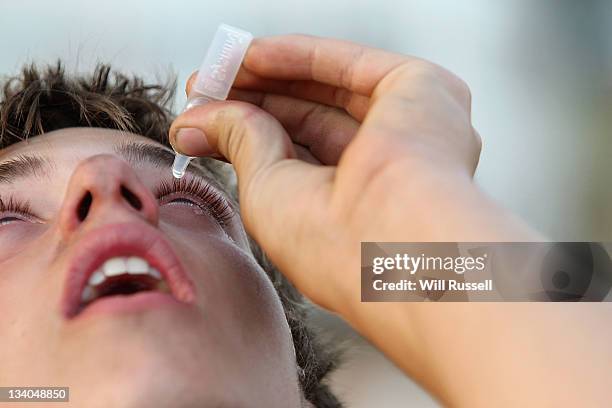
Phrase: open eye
(192, 204)
(199, 195)
(182, 201)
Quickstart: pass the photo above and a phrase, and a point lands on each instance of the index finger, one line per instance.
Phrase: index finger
(337, 63)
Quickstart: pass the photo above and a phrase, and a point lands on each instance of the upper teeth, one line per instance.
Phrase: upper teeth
(132, 265)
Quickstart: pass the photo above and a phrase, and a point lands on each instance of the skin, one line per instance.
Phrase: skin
(231, 348)
(334, 144)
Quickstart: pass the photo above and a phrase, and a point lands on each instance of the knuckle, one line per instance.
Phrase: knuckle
(460, 89)
(410, 73)
(456, 86)
(428, 72)
(420, 69)
(347, 71)
(237, 126)
(251, 117)
(342, 97)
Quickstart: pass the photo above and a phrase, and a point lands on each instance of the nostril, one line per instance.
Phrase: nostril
(84, 206)
(131, 198)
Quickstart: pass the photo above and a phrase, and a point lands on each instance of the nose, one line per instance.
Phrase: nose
(105, 189)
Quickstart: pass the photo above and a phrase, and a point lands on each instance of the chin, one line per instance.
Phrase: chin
(146, 376)
(142, 361)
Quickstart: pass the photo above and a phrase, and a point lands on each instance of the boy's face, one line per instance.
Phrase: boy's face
(217, 336)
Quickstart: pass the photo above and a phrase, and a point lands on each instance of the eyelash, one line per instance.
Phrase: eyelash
(212, 201)
(14, 207)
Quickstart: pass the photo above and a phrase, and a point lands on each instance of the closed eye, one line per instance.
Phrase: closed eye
(13, 211)
(8, 220)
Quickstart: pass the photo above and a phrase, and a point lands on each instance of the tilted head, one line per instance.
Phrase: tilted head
(126, 285)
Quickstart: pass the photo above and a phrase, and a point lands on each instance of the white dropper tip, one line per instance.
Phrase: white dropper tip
(179, 167)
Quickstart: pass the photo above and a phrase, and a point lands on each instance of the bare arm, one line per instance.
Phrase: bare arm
(339, 144)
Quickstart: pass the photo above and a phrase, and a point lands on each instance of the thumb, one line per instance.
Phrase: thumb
(280, 199)
(247, 136)
(254, 142)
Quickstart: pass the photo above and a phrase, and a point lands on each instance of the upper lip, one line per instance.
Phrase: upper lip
(133, 239)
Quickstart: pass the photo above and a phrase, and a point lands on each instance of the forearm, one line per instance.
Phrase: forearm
(491, 342)
(476, 354)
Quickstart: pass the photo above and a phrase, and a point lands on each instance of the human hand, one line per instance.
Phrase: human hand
(338, 144)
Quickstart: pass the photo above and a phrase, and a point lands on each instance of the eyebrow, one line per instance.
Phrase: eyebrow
(139, 153)
(24, 166)
(135, 153)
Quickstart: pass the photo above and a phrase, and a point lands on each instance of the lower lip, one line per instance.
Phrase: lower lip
(135, 303)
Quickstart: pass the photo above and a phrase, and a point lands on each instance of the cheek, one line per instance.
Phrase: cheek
(240, 303)
(30, 291)
(189, 221)
(232, 283)
(17, 237)
(182, 220)
(14, 277)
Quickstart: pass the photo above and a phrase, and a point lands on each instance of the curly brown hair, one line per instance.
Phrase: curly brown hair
(40, 100)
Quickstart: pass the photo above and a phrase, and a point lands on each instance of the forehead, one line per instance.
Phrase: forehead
(58, 153)
(48, 161)
(74, 144)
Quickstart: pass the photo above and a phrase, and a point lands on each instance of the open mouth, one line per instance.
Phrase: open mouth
(122, 276)
(120, 263)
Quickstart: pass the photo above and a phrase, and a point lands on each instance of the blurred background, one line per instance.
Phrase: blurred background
(540, 75)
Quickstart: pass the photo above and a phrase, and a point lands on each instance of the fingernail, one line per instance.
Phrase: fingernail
(192, 142)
